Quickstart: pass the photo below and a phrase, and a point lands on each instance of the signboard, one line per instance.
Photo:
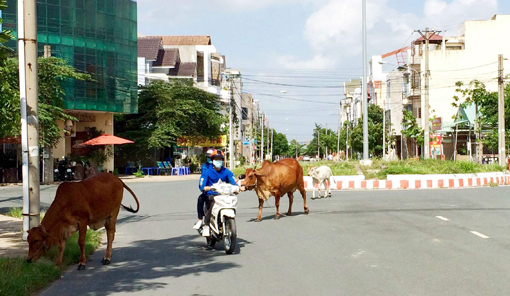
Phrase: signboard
(246, 143)
(202, 141)
(436, 124)
(435, 144)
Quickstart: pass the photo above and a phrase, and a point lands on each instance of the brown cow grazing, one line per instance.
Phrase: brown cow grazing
(276, 179)
(94, 202)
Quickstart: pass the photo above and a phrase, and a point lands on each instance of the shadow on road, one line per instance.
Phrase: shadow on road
(144, 265)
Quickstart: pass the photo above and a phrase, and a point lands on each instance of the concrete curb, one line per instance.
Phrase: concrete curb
(415, 181)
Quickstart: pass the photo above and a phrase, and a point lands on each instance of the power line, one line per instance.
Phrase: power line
(293, 85)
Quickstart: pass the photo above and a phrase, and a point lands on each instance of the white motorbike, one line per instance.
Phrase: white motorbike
(223, 217)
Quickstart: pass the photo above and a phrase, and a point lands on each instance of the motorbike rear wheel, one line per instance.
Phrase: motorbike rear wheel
(230, 236)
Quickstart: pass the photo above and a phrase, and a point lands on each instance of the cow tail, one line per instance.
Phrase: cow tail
(130, 209)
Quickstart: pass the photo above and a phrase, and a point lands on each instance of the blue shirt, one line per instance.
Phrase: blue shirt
(211, 176)
(205, 167)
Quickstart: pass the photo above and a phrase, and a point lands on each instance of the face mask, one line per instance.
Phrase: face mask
(217, 163)
(209, 160)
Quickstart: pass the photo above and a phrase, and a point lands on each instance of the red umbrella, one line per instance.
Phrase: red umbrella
(107, 139)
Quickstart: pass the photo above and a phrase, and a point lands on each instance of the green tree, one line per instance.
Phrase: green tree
(411, 129)
(327, 138)
(296, 148)
(52, 72)
(375, 130)
(280, 144)
(476, 93)
(167, 111)
(4, 36)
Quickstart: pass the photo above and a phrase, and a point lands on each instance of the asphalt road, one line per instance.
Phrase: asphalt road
(400, 242)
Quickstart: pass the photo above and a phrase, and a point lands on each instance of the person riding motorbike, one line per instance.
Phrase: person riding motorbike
(201, 198)
(212, 176)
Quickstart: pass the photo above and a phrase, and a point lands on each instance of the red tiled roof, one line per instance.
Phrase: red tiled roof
(148, 47)
(167, 58)
(183, 69)
(186, 40)
(433, 39)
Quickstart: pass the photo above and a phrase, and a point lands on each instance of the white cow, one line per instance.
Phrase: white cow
(321, 175)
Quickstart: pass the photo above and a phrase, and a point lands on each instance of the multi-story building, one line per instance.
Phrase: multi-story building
(473, 54)
(180, 57)
(98, 38)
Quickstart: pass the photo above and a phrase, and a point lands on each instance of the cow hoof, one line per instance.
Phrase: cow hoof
(257, 220)
(105, 261)
(289, 214)
(81, 267)
(277, 217)
(307, 211)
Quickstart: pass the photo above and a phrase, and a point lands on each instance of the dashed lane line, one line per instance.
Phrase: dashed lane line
(479, 234)
(442, 218)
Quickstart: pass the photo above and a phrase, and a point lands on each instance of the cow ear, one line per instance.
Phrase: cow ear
(258, 174)
(45, 233)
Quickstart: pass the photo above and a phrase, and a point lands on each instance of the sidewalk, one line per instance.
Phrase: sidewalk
(159, 178)
(11, 242)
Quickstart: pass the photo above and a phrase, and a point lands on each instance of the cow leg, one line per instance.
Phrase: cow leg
(313, 194)
(329, 187)
(261, 205)
(277, 204)
(303, 194)
(291, 200)
(61, 248)
(110, 234)
(82, 229)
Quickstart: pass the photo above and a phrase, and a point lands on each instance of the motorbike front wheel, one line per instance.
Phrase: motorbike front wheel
(230, 237)
(211, 241)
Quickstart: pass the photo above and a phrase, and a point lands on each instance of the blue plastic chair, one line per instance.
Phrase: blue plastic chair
(130, 169)
(174, 171)
(162, 168)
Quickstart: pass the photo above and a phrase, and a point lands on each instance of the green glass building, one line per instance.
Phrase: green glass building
(98, 37)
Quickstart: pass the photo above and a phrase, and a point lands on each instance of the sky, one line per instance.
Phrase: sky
(294, 55)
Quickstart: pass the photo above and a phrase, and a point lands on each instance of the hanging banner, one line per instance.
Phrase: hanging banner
(436, 124)
(185, 141)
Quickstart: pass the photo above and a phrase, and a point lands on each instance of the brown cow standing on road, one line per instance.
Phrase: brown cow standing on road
(94, 202)
(276, 179)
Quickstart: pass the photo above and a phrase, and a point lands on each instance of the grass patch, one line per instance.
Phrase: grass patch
(17, 277)
(380, 169)
(18, 213)
(338, 168)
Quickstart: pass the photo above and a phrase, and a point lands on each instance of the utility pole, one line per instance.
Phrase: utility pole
(384, 128)
(338, 134)
(262, 139)
(347, 135)
(364, 87)
(501, 112)
(425, 105)
(29, 92)
(231, 123)
(272, 141)
(318, 143)
(478, 127)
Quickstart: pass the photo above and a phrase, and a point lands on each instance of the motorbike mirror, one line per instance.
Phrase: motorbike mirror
(242, 176)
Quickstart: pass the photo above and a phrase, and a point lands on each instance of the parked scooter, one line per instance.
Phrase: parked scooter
(223, 217)
(64, 171)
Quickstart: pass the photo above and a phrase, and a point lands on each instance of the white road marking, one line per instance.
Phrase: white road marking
(479, 234)
(442, 218)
